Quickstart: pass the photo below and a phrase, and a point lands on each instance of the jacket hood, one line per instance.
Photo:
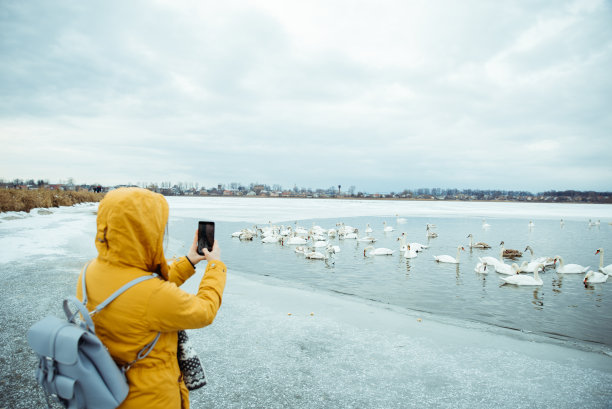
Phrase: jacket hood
(131, 224)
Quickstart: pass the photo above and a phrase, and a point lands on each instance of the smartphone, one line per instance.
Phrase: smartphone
(206, 236)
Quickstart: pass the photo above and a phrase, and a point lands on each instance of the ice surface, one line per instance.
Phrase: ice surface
(27, 235)
(260, 210)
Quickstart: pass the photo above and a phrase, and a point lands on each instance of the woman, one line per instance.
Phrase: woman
(130, 234)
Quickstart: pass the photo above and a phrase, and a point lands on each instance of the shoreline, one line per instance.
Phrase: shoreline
(371, 355)
(34, 203)
(440, 319)
(398, 199)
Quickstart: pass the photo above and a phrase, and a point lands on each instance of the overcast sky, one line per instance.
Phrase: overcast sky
(382, 95)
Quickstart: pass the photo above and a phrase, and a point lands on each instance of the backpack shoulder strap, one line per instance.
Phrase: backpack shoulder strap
(114, 295)
(120, 291)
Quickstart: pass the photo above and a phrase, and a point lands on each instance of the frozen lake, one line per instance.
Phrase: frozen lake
(358, 332)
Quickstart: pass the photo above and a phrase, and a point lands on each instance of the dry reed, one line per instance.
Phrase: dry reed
(26, 200)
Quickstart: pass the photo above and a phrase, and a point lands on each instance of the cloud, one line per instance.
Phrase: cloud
(382, 96)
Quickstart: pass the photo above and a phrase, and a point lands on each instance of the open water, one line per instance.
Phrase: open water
(563, 308)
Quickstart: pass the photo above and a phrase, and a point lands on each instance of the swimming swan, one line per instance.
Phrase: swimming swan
(503, 268)
(296, 240)
(410, 253)
(510, 253)
(448, 259)
(414, 246)
(607, 269)
(569, 268)
(593, 277)
(381, 251)
(547, 261)
(492, 260)
(479, 245)
(524, 280)
(481, 268)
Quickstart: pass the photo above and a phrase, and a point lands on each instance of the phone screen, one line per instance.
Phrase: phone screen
(206, 236)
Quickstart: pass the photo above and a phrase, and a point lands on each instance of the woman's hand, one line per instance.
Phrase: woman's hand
(195, 258)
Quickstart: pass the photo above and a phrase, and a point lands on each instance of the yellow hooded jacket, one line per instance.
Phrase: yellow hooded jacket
(130, 234)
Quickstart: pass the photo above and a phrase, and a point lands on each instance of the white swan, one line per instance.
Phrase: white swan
(296, 240)
(481, 268)
(503, 268)
(247, 235)
(528, 266)
(345, 229)
(607, 269)
(569, 268)
(410, 253)
(350, 236)
(547, 261)
(387, 228)
(418, 246)
(271, 239)
(315, 255)
(300, 230)
(414, 246)
(479, 245)
(381, 251)
(531, 224)
(492, 260)
(524, 280)
(400, 220)
(593, 277)
(320, 243)
(431, 234)
(367, 239)
(301, 250)
(485, 225)
(368, 229)
(448, 259)
(244, 234)
(333, 249)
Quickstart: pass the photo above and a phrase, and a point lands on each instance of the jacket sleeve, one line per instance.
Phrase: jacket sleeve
(172, 309)
(180, 271)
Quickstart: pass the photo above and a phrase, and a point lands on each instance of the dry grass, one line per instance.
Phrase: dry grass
(26, 200)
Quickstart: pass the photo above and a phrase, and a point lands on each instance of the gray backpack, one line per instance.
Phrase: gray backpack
(74, 366)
